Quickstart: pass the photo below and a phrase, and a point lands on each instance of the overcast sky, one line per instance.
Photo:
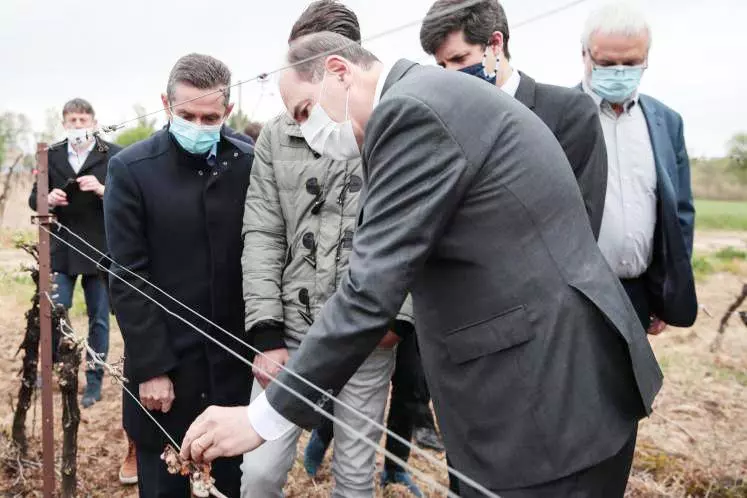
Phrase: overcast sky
(117, 54)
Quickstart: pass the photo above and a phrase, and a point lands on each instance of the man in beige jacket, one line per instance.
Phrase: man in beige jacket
(300, 215)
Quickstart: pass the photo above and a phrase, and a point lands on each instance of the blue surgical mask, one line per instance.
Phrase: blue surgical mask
(197, 139)
(616, 84)
(481, 72)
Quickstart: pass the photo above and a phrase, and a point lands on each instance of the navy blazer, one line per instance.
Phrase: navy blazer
(669, 278)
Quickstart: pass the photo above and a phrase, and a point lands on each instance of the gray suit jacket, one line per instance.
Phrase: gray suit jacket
(537, 364)
(573, 118)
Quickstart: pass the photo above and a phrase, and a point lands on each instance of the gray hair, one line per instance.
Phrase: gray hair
(200, 71)
(308, 53)
(618, 18)
(78, 105)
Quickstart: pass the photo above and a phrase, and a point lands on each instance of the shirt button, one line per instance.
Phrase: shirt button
(624, 263)
(215, 173)
(225, 163)
(200, 173)
(203, 395)
(235, 154)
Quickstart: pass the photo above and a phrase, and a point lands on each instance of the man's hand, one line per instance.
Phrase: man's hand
(220, 432)
(264, 369)
(90, 183)
(157, 393)
(656, 327)
(56, 198)
(390, 340)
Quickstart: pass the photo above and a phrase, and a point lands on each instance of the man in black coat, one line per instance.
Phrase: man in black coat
(474, 40)
(77, 172)
(173, 211)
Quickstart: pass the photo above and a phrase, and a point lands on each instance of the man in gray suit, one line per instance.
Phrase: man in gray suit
(538, 365)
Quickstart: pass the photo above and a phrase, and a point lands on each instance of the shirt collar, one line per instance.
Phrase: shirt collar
(601, 103)
(73, 152)
(385, 70)
(512, 83)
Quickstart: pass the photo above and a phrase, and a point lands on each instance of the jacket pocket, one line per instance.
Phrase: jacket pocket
(508, 329)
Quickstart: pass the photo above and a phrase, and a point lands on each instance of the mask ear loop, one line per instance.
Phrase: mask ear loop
(347, 100)
(321, 90)
(489, 72)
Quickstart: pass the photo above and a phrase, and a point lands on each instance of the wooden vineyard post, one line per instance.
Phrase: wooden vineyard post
(45, 319)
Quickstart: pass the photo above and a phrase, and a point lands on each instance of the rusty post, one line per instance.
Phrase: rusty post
(45, 319)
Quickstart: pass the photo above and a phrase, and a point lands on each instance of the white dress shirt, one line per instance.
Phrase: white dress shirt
(78, 159)
(629, 219)
(512, 83)
(267, 422)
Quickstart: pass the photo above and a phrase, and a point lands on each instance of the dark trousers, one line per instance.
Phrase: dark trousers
(636, 290)
(607, 479)
(154, 481)
(408, 406)
(97, 305)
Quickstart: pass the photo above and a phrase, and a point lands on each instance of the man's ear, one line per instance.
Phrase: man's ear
(166, 106)
(337, 66)
(229, 110)
(496, 43)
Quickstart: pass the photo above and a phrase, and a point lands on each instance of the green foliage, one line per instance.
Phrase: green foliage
(131, 135)
(738, 151)
(145, 128)
(726, 260)
(729, 254)
(720, 215)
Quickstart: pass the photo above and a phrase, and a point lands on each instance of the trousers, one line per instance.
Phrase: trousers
(265, 470)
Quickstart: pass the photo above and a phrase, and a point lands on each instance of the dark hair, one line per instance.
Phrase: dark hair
(478, 22)
(327, 15)
(252, 129)
(308, 53)
(78, 105)
(200, 71)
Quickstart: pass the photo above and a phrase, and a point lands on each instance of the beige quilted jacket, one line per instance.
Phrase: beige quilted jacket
(300, 213)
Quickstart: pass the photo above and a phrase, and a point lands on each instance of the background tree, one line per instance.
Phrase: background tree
(238, 121)
(15, 136)
(145, 127)
(53, 130)
(738, 151)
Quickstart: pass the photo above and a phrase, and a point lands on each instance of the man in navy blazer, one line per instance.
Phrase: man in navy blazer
(647, 225)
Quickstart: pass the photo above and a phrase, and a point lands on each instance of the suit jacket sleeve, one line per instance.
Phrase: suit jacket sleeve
(580, 134)
(416, 178)
(685, 205)
(265, 250)
(147, 346)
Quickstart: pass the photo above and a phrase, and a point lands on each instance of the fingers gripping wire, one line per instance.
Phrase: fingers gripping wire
(317, 407)
(325, 395)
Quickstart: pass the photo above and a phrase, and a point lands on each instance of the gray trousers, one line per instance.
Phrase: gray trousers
(265, 469)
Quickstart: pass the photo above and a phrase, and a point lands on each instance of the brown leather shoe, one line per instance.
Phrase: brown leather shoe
(128, 470)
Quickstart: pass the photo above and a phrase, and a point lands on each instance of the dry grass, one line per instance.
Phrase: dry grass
(694, 445)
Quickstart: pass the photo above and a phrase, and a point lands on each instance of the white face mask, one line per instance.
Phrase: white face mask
(330, 138)
(79, 136)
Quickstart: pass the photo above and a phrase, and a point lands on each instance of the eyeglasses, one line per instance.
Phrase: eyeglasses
(595, 65)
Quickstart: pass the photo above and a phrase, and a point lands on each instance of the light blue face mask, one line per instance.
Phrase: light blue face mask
(197, 139)
(616, 84)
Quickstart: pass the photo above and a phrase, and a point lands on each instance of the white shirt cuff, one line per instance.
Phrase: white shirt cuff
(267, 422)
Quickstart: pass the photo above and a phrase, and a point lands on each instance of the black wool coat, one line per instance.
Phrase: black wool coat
(176, 221)
(84, 214)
